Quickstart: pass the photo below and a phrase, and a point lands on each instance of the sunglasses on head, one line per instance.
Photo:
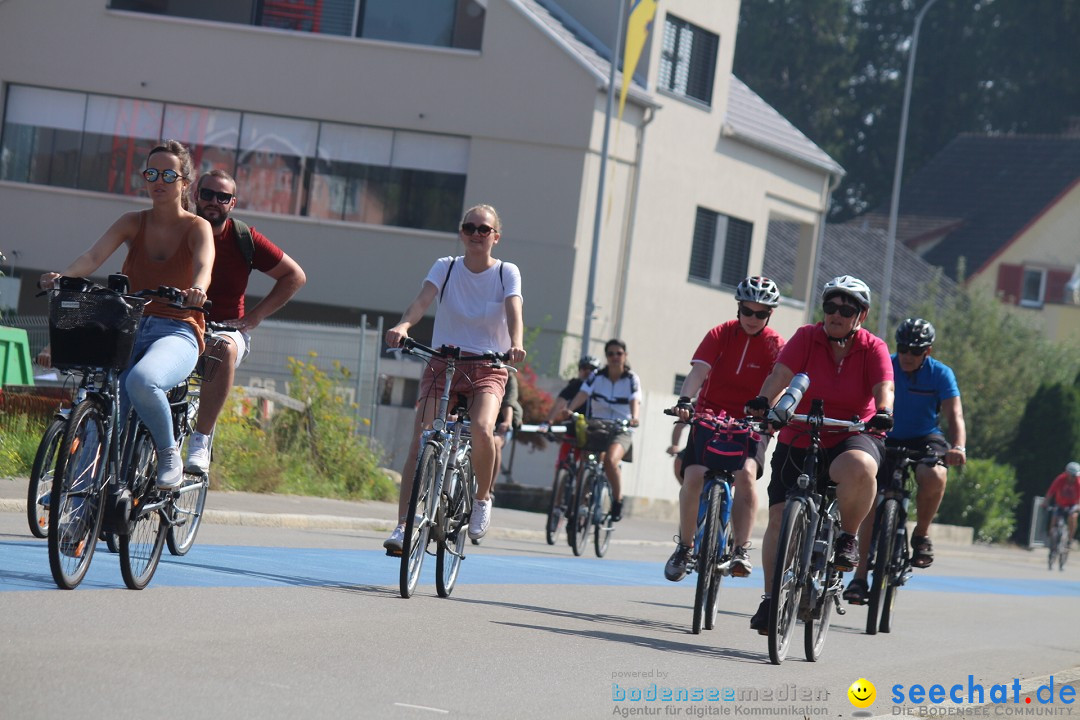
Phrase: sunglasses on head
(909, 350)
(759, 314)
(168, 176)
(846, 311)
(474, 229)
(206, 195)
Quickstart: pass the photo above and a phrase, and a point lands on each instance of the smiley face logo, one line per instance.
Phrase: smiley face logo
(862, 693)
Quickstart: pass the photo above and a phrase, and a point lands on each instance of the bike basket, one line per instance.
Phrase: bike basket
(725, 445)
(598, 436)
(91, 329)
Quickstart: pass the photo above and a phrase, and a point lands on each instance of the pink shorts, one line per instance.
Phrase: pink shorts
(469, 379)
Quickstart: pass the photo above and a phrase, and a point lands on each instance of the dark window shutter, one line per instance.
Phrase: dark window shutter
(702, 66)
(736, 252)
(701, 253)
(1010, 282)
(1055, 285)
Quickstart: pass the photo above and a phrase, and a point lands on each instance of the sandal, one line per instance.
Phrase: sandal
(857, 591)
(922, 551)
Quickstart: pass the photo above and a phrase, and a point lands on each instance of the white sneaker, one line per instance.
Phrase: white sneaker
(170, 471)
(396, 542)
(479, 519)
(198, 458)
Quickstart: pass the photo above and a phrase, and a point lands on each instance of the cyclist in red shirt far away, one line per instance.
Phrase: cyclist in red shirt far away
(1064, 492)
(728, 369)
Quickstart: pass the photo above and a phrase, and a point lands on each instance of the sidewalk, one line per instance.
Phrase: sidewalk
(301, 512)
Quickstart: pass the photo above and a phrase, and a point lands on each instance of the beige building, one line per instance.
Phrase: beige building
(359, 132)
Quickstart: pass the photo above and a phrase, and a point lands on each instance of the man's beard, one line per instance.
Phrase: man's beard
(217, 222)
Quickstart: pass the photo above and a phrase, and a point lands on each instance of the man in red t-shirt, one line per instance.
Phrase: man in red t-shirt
(1064, 492)
(728, 368)
(215, 198)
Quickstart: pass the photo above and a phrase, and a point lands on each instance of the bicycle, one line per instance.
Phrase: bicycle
(43, 471)
(890, 557)
(104, 461)
(714, 543)
(444, 484)
(1057, 537)
(564, 486)
(806, 585)
(592, 506)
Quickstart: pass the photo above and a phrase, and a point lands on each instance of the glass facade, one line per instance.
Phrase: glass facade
(288, 166)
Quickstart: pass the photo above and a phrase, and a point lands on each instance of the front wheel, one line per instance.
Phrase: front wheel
(76, 505)
(706, 559)
(602, 518)
(187, 513)
(885, 540)
(41, 478)
(558, 507)
(455, 519)
(422, 504)
(787, 583)
(141, 545)
(582, 516)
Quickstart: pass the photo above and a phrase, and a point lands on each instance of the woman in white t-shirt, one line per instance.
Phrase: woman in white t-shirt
(613, 393)
(479, 311)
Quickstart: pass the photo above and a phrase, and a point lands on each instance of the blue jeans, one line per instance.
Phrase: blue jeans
(164, 354)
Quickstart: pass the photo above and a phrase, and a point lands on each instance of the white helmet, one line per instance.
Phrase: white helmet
(1073, 469)
(853, 287)
(758, 289)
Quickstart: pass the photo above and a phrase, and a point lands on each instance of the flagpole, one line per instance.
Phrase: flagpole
(590, 305)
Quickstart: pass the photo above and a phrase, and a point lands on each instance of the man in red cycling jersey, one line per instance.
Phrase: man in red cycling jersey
(729, 367)
(1064, 492)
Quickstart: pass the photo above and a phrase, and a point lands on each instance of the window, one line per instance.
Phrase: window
(440, 23)
(720, 254)
(1033, 290)
(679, 380)
(288, 166)
(688, 60)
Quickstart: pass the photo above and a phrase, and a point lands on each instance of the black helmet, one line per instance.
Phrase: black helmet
(588, 361)
(916, 333)
(758, 289)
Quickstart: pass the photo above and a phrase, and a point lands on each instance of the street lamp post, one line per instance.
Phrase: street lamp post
(894, 204)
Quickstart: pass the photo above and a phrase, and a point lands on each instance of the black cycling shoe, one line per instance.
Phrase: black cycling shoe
(675, 569)
(857, 592)
(847, 553)
(760, 621)
(616, 511)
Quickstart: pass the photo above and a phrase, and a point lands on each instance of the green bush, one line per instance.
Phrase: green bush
(982, 496)
(315, 452)
(20, 435)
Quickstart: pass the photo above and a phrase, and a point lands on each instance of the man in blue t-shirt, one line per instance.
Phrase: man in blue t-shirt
(926, 391)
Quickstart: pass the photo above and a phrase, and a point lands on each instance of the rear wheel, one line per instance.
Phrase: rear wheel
(41, 478)
(706, 559)
(455, 519)
(77, 501)
(602, 518)
(882, 566)
(422, 505)
(187, 513)
(712, 602)
(787, 583)
(141, 545)
(558, 506)
(579, 534)
(818, 626)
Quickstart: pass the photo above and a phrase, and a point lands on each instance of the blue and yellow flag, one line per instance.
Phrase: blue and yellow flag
(638, 26)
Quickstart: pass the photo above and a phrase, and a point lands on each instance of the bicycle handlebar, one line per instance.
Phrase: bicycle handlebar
(826, 422)
(175, 297)
(753, 423)
(451, 352)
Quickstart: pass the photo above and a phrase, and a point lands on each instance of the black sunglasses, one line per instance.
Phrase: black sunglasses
(909, 350)
(474, 229)
(759, 314)
(846, 311)
(206, 195)
(614, 353)
(168, 176)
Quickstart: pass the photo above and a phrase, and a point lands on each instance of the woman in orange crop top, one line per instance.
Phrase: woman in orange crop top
(166, 245)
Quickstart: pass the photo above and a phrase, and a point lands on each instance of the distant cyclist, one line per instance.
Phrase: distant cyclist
(1064, 493)
(728, 369)
(926, 391)
(587, 365)
(613, 393)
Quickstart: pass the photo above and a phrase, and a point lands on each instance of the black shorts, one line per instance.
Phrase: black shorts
(787, 462)
(690, 455)
(935, 441)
